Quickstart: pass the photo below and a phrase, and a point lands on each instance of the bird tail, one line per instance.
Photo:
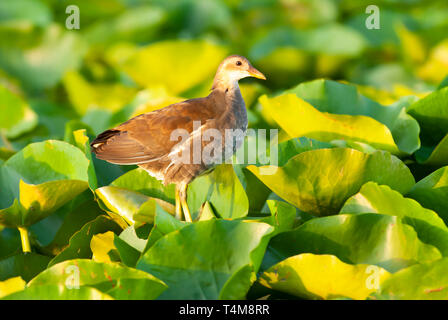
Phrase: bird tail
(102, 138)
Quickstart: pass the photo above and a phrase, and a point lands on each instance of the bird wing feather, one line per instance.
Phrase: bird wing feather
(146, 137)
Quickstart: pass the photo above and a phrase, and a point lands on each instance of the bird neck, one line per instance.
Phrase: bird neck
(227, 88)
(228, 96)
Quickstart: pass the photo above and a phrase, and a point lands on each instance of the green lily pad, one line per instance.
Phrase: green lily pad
(292, 147)
(177, 65)
(32, 11)
(313, 276)
(25, 265)
(332, 39)
(187, 260)
(368, 238)
(116, 280)
(39, 179)
(134, 24)
(437, 156)
(373, 198)
(73, 218)
(432, 192)
(342, 102)
(9, 242)
(16, 117)
(140, 181)
(79, 244)
(58, 292)
(164, 223)
(129, 246)
(432, 114)
(222, 189)
(320, 181)
(43, 64)
(425, 281)
(132, 206)
(283, 216)
(286, 109)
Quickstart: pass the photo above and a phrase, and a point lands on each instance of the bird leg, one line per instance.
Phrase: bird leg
(178, 215)
(183, 201)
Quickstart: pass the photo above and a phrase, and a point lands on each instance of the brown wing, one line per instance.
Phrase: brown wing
(146, 137)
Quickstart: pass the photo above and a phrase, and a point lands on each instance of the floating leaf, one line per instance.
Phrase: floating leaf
(177, 65)
(323, 277)
(79, 244)
(139, 180)
(132, 206)
(103, 247)
(25, 265)
(44, 64)
(425, 281)
(332, 39)
(164, 223)
(74, 217)
(11, 285)
(437, 157)
(373, 198)
(113, 279)
(187, 260)
(432, 114)
(283, 216)
(368, 238)
(134, 24)
(58, 292)
(344, 99)
(129, 246)
(320, 181)
(432, 192)
(16, 117)
(222, 189)
(110, 97)
(286, 109)
(39, 179)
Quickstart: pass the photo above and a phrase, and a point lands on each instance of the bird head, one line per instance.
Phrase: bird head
(234, 68)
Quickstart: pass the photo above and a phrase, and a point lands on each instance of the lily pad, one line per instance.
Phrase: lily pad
(323, 277)
(340, 101)
(432, 192)
(140, 181)
(425, 281)
(320, 181)
(178, 65)
(373, 198)
(11, 285)
(39, 179)
(132, 206)
(368, 238)
(58, 292)
(116, 280)
(79, 244)
(432, 114)
(187, 262)
(43, 65)
(25, 265)
(323, 126)
(222, 189)
(16, 117)
(437, 157)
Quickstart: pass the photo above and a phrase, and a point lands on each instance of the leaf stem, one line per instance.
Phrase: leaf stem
(5, 140)
(26, 247)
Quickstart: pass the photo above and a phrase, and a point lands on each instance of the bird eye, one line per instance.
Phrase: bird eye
(238, 63)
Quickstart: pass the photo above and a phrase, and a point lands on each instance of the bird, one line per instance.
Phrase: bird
(164, 142)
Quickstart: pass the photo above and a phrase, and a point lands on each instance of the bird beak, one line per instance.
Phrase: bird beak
(255, 73)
